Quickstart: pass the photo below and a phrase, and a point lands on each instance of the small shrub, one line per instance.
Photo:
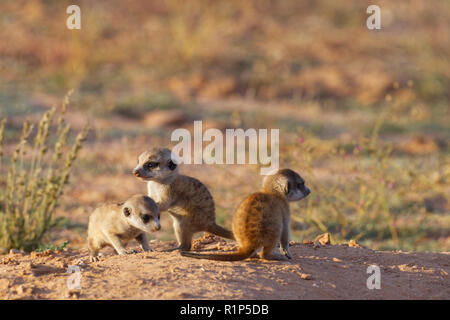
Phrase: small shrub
(34, 183)
(51, 247)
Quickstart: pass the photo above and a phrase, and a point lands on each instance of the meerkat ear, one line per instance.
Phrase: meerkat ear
(126, 211)
(283, 185)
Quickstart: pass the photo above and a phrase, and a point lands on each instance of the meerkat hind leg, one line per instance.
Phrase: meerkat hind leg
(284, 244)
(186, 240)
(268, 254)
(184, 236)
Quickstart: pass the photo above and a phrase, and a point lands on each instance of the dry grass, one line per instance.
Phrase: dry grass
(34, 181)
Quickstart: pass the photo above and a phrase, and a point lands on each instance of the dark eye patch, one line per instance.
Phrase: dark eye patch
(126, 212)
(146, 218)
(171, 165)
(151, 165)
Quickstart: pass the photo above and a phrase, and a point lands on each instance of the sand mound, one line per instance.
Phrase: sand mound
(324, 272)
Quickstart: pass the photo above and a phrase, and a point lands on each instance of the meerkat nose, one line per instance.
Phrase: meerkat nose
(136, 173)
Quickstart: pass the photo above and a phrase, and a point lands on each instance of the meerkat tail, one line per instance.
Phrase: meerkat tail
(220, 231)
(229, 256)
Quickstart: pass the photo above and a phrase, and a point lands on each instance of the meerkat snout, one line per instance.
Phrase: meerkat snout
(157, 165)
(155, 223)
(298, 191)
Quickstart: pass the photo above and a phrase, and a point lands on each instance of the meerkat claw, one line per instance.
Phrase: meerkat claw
(286, 253)
(94, 259)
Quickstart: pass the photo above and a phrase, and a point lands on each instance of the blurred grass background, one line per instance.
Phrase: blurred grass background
(363, 115)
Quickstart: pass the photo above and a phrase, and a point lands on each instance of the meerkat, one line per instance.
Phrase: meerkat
(116, 224)
(187, 200)
(262, 219)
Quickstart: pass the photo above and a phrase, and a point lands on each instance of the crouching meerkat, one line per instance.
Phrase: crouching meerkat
(263, 218)
(187, 200)
(116, 224)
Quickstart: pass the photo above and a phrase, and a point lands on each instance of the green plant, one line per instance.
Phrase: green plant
(52, 247)
(35, 178)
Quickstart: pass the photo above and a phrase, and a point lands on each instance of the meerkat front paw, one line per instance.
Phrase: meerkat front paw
(131, 251)
(286, 253)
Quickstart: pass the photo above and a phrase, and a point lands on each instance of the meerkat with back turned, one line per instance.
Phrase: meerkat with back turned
(116, 224)
(187, 200)
(263, 218)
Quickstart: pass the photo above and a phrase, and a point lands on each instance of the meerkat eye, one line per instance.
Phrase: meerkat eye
(146, 218)
(126, 212)
(301, 185)
(151, 165)
(288, 188)
(171, 165)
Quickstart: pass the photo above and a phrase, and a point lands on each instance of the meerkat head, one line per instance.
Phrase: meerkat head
(287, 183)
(142, 213)
(158, 164)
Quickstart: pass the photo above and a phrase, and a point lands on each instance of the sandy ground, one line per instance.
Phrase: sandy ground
(326, 272)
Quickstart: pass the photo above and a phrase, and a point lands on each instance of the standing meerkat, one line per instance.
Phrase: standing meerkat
(116, 224)
(263, 218)
(187, 200)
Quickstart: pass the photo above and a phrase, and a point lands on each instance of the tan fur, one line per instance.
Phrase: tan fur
(109, 226)
(262, 219)
(187, 200)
